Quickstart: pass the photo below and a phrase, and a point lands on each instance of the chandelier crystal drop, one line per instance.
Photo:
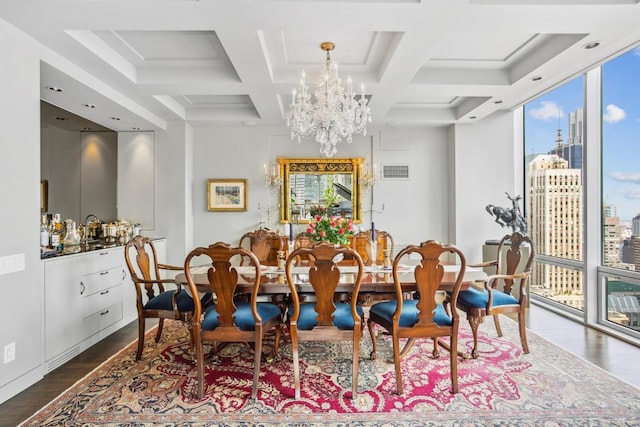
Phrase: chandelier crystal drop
(336, 113)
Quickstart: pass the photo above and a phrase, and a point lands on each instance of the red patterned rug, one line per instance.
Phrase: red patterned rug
(502, 387)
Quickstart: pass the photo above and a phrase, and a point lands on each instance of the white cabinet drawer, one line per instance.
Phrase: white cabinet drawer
(100, 320)
(101, 280)
(102, 260)
(97, 302)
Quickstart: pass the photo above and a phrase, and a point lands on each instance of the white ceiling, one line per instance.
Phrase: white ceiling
(423, 63)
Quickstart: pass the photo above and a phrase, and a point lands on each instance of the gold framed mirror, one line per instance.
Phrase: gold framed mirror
(312, 185)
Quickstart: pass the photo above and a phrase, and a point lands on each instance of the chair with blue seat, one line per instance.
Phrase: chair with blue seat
(505, 291)
(325, 317)
(229, 319)
(153, 298)
(424, 316)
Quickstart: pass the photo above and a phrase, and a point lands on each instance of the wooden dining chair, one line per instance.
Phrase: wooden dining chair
(152, 300)
(503, 292)
(424, 316)
(228, 320)
(265, 244)
(384, 241)
(301, 240)
(361, 243)
(323, 319)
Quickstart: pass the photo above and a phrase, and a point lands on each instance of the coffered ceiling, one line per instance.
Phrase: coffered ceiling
(423, 63)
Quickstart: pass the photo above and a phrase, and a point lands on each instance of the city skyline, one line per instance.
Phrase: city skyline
(620, 128)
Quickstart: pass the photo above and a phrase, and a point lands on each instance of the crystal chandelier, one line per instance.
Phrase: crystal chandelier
(336, 114)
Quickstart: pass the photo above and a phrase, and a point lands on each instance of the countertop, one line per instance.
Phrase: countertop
(91, 246)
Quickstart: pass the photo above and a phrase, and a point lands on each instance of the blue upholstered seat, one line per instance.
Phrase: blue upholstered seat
(243, 316)
(479, 298)
(409, 315)
(164, 301)
(342, 318)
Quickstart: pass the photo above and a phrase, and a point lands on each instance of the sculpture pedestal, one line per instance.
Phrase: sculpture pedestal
(490, 253)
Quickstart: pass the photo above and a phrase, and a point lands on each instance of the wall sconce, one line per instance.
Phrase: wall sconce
(368, 177)
(272, 177)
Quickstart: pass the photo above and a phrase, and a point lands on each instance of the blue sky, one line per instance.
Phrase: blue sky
(620, 128)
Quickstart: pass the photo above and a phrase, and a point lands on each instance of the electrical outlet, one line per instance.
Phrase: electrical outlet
(9, 352)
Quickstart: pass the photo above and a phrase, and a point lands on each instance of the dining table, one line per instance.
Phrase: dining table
(375, 278)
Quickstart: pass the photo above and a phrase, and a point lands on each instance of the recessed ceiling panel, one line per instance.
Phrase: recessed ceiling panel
(469, 46)
(216, 100)
(166, 45)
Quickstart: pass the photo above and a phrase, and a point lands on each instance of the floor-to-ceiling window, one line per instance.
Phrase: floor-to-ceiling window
(558, 208)
(620, 285)
(554, 133)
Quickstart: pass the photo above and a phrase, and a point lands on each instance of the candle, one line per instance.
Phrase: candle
(291, 232)
(265, 169)
(373, 232)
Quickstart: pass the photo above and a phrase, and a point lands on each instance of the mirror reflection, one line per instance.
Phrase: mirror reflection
(312, 187)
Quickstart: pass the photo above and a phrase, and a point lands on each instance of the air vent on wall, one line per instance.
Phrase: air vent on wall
(395, 171)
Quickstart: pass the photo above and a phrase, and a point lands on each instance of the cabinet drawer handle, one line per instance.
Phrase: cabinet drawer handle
(82, 288)
(104, 253)
(104, 292)
(102, 273)
(104, 312)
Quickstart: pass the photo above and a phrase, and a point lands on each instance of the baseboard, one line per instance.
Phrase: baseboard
(21, 383)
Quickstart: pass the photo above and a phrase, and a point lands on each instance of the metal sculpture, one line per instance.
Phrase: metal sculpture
(510, 217)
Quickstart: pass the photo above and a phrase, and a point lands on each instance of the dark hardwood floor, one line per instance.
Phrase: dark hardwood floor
(611, 354)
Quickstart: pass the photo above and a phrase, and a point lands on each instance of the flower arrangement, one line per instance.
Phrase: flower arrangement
(333, 229)
(317, 210)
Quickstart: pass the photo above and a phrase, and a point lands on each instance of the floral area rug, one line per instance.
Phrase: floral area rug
(503, 386)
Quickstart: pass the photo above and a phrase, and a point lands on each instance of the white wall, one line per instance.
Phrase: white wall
(22, 307)
(484, 171)
(415, 209)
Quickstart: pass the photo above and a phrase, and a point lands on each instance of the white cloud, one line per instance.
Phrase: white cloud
(625, 177)
(633, 193)
(547, 111)
(636, 51)
(613, 114)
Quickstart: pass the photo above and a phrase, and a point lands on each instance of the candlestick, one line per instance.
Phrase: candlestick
(373, 232)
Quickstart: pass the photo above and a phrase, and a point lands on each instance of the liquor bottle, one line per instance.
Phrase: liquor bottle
(56, 233)
(44, 232)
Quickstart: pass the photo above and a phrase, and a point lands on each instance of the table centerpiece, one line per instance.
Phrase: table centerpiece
(332, 229)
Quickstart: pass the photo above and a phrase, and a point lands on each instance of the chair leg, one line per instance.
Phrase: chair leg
(296, 364)
(496, 320)
(159, 333)
(453, 360)
(256, 365)
(354, 365)
(407, 347)
(372, 332)
(396, 360)
(276, 344)
(436, 352)
(141, 328)
(199, 363)
(474, 322)
(523, 332)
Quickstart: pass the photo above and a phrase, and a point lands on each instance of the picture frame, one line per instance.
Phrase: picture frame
(227, 195)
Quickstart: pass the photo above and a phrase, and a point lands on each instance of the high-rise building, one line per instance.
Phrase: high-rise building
(572, 150)
(612, 241)
(635, 225)
(555, 219)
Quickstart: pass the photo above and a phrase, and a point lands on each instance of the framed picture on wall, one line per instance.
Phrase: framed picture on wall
(226, 195)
